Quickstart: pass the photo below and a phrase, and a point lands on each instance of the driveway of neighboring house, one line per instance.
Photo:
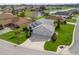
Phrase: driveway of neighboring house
(5, 30)
(75, 48)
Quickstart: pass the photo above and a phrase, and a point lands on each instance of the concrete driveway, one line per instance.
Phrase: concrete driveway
(35, 42)
(38, 38)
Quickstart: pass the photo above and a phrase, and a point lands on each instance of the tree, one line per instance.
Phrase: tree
(13, 10)
(58, 23)
(22, 14)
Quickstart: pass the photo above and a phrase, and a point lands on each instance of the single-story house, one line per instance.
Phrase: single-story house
(43, 28)
(64, 14)
(6, 19)
(56, 17)
(23, 21)
(74, 11)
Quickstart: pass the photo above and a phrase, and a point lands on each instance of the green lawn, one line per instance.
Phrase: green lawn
(12, 37)
(64, 37)
(72, 20)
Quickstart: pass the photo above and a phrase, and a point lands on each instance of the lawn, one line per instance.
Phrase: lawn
(14, 37)
(64, 37)
(72, 20)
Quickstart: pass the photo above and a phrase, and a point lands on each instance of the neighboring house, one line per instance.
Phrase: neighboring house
(7, 19)
(64, 14)
(23, 21)
(56, 17)
(74, 11)
(44, 27)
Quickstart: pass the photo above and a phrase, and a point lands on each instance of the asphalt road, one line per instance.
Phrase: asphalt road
(75, 48)
(9, 49)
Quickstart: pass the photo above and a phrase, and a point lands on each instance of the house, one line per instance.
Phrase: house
(64, 14)
(43, 28)
(23, 21)
(56, 17)
(10, 20)
(74, 11)
(7, 18)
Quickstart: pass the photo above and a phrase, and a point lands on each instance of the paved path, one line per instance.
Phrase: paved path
(75, 48)
(71, 23)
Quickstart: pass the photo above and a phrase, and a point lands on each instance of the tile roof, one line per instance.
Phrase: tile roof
(7, 16)
(23, 21)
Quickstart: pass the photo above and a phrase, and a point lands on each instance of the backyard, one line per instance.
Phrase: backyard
(64, 37)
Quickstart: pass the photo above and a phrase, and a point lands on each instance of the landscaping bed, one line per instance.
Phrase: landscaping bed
(64, 37)
(16, 36)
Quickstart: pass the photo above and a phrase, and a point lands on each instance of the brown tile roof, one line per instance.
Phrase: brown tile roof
(55, 17)
(22, 21)
(7, 16)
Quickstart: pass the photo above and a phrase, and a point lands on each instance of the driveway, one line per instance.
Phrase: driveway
(38, 38)
(75, 48)
(35, 42)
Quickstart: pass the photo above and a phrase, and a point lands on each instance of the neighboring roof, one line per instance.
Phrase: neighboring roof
(7, 16)
(74, 10)
(62, 13)
(23, 21)
(54, 17)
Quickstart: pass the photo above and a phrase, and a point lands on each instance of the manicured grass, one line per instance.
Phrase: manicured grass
(72, 20)
(64, 37)
(15, 38)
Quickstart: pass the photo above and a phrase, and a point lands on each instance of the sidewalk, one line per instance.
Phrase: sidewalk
(71, 23)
